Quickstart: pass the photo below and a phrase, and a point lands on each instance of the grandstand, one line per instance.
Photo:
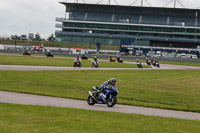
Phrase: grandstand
(149, 26)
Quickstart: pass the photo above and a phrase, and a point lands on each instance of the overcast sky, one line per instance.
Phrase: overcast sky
(38, 16)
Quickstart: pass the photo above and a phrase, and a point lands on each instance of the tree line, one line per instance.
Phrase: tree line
(35, 37)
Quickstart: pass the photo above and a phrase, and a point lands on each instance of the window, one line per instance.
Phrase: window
(79, 25)
(90, 25)
(101, 26)
(178, 30)
(112, 26)
(123, 27)
(68, 24)
(147, 28)
(167, 30)
(134, 28)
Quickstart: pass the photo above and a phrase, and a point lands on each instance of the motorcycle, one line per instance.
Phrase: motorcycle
(27, 53)
(155, 63)
(96, 96)
(84, 57)
(119, 60)
(148, 62)
(49, 54)
(139, 64)
(95, 64)
(77, 64)
(112, 59)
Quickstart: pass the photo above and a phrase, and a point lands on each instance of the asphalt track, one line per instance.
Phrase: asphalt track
(32, 68)
(28, 99)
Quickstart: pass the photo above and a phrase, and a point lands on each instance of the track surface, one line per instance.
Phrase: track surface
(31, 68)
(28, 99)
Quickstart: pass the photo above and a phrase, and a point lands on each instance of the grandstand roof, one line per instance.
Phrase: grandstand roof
(130, 9)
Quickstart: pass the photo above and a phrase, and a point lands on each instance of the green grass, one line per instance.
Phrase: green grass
(68, 62)
(17, 59)
(23, 119)
(169, 89)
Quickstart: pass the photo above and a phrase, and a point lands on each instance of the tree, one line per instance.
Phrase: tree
(37, 36)
(51, 38)
(15, 37)
(23, 37)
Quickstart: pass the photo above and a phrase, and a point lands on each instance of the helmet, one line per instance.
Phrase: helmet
(112, 81)
(95, 57)
(137, 60)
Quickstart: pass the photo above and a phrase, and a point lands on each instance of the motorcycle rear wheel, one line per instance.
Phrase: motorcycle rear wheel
(111, 101)
(90, 100)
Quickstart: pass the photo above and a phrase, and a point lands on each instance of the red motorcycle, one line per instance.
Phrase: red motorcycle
(148, 62)
(77, 63)
(27, 53)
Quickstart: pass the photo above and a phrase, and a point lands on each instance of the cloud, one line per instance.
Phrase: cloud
(38, 16)
(22, 16)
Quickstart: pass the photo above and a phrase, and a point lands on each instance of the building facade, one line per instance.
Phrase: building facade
(149, 26)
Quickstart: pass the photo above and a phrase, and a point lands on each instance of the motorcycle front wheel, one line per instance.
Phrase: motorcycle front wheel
(111, 101)
(90, 100)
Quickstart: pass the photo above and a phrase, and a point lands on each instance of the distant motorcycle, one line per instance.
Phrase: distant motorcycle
(84, 57)
(96, 98)
(119, 60)
(77, 64)
(155, 63)
(95, 64)
(148, 62)
(27, 53)
(112, 59)
(139, 64)
(49, 54)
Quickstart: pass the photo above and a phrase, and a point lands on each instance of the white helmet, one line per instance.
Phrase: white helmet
(112, 81)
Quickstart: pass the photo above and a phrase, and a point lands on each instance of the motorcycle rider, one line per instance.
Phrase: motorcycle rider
(25, 51)
(48, 52)
(77, 59)
(148, 61)
(95, 61)
(107, 84)
(139, 64)
(137, 61)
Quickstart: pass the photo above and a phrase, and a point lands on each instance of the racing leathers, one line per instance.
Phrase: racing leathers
(108, 85)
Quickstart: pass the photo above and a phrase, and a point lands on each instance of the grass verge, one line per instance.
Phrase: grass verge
(23, 119)
(7, 59)
(67, 62)
(169, 89)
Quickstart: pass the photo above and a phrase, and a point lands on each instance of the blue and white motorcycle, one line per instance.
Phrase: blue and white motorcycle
(106, 96)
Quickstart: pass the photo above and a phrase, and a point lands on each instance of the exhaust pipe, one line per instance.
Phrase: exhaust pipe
(90, 93)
